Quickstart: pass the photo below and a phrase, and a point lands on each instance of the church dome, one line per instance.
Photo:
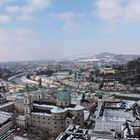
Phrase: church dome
(63, 95)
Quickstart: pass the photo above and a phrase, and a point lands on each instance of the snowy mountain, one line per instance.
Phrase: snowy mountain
(105, 56)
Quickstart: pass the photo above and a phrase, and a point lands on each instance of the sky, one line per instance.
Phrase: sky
(57, 29)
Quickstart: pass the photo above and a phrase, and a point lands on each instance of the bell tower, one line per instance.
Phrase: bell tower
(28, 105)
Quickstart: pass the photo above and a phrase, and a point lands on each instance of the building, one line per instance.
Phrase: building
(55, 117)
(111, 115)
(108, 70)
(74, 132)
(6, 124)
(5, 105)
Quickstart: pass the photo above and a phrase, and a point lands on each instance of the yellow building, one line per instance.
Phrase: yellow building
(108, 70)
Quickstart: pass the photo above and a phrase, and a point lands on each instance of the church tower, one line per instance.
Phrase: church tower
(28, 105)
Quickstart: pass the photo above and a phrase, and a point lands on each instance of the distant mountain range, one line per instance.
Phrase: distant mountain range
(105, 56)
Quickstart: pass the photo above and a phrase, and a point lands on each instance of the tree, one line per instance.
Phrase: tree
(83, 96)
(27, 88)
(40, 83)
(70, 72)
(28, 76)
(75, 75)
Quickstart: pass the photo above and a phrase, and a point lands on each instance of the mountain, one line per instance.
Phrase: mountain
(104, 55)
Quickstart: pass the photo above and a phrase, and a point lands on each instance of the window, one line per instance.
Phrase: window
(61, 122)
(62, 127)
(55, 123)
(43, 118)
(38, 117)
(39, 121)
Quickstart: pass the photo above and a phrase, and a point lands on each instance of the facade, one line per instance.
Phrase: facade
(108, 70)
(22, 121)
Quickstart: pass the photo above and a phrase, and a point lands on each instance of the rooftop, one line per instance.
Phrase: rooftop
(108, 119)
(58, 110)
(73, 132)
(77, 107)
(4, 118)
(6, 104)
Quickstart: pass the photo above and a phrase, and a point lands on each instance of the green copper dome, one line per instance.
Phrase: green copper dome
(63, 95)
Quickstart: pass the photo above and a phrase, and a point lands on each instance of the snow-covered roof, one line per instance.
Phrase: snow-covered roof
(58, 110)
(44, 106)
(120, 119)
(77, 107)
(41, 114)
(96, 138)
(6, 104)
(4, 116)
(86, 114)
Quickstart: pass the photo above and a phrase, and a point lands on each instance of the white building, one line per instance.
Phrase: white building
(111, 116)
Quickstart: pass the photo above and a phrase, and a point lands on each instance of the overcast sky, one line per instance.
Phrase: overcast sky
(55, 29)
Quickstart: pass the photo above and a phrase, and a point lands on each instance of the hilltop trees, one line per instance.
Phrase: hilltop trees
(134, 66)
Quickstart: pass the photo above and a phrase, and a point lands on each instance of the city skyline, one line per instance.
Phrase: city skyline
(52, 29)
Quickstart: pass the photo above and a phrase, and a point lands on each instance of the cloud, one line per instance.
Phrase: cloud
(118, 11)
(14, 44)
(21, 32)
(39, 4)
(14, 34)
(13, 9)
(3, 1)
(30, 6)
(69, 19)
(64, 15)
(4, 18)
(25, 18)
(70, 26)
